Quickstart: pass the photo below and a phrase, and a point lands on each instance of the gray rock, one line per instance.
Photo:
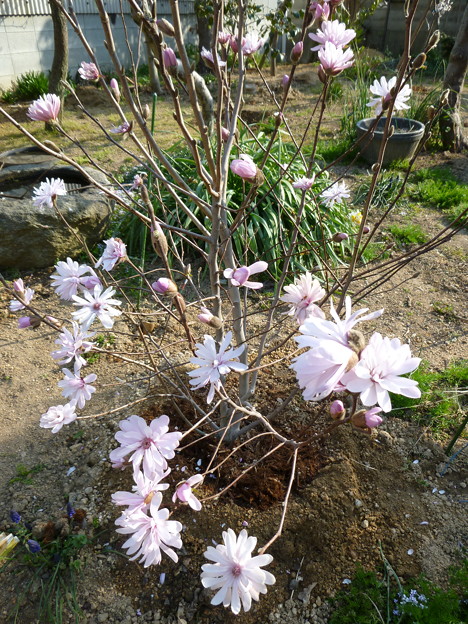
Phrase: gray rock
(33, 237)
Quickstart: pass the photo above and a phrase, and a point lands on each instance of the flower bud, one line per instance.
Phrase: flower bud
(223, 37)
(147, 327)
(23, 322)
(371, 418)
(444, 97)
(419, 61)
(165, 27)
(18, 286)
(353, 360)
(159, 241)
(169, 58)
(339, 237)
(209, 319)
(433, 40)
(296, 52)
(145, 112)
(15, 517)
(285, 81)
(164, 286)
(375, 167)
(366, 229)
(356, 340)
(181, 302)
(358, 420)
(224, 134)
(391, 131)
(114, 86)
(337, 410)
(34, 547)
(322, 75)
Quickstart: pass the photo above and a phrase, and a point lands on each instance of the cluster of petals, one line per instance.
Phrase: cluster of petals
(114, 253)
(235, 574)
(304, 184)
(57, 416)
(96, 304)
(76, 388)
(47, 192)
(185, 494)
(244, 167)
(302, 296)
(88, 71)
(212, 363)
(45, 108)
(251, 43)
(379, 371)
(124, 128)
(148, 445)
(320, 370)
(73, 345)
(333, 59)
(382, 90)
(146, 486)
(26, 295)
(334, 32)
(150, 533)
(70, 276)
(337, 192)
(208, 58)
(240, 276)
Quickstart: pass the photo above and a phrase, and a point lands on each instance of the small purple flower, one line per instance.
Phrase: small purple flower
(88, 71)
(34, 547)
(15, 517)
(70, 511)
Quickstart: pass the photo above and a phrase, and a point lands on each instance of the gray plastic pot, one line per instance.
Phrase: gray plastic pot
(402, 145)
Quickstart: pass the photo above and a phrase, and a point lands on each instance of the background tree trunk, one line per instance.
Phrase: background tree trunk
(203, 32)
(450, 124)
(59, 70)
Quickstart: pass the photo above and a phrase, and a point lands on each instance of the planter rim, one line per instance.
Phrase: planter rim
(416, 131)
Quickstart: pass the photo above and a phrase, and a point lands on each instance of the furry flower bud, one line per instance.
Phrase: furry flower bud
(165, 27)
(159, 241)
(419, 61)
(339, 237)
(433, 41)
(209, 319)
(164, 286)
(337, 410)
(114, 87)
(296, 52)
(169, 58)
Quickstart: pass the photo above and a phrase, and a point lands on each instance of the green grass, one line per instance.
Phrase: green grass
(408, 234)
(441, 403)
(373, 598)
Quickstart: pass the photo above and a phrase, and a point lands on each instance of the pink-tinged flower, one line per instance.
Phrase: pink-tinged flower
(164, 286)
(337, 192)
(225, 134)
(296, 52)
(114, 87)
(234, 45)
(320, 11)
(285, 81)
(88, 282)
(24, 322)
(57, 416)
(94, 305)
(184, 492)
(88, 71)
(378, 372)
(124, 128)
(169, 58)
(371, 418)
(150, 534)
(146, 486)
(77, 388)
(382, 90)
(320, 370)
(212, 364)
(149, 444)
(333, 60)
(302, 296)
(114, 253)
(206, 316)
(73, 344)
(48, 192)
(240, 276)
(236, 575)
(208, 59)
(69, 278)
(45, 108)
(244, 167)
(304, 184)
(332, 32)
(223, 37)
(251, 43)
(337, 409)
(25, 294)
(138, 182)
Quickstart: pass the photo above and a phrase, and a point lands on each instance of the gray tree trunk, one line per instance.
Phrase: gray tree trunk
(450, 124)
(59, 69)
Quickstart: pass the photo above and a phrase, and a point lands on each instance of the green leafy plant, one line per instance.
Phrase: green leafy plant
(440, 188)
(28, 86)
(25, 474)
(408, 234)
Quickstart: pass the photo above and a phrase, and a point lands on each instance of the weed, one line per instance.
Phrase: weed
(24, 474)
(408, 234)
(381, 599)
(440, 405)
(444, 309)
(28, 86)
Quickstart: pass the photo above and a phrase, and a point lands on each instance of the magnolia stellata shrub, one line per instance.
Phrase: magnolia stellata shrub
(208, 214)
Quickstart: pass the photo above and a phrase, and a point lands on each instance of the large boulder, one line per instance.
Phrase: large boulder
(32, 237)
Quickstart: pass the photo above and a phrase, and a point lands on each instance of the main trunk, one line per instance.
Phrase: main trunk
(59, 69)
